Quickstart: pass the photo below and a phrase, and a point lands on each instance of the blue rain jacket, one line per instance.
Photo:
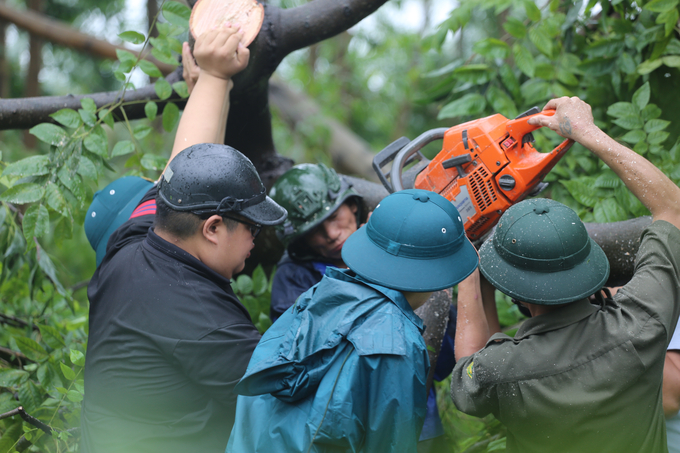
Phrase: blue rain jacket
(343, 370)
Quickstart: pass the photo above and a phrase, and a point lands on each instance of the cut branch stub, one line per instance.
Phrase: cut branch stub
(208, 14)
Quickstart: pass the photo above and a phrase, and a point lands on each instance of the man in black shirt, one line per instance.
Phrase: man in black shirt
(168, 339)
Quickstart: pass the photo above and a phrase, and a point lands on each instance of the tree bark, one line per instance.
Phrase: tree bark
(32, 87)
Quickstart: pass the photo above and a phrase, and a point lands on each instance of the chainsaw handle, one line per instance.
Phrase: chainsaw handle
(407, 151)
(520, 127)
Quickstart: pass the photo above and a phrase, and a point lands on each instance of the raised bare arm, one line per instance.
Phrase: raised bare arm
(573, 119)
(220, 55)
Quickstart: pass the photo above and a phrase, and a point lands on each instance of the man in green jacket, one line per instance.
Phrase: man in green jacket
(577, 376)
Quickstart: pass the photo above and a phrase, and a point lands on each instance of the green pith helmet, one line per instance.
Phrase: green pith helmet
(541, 253)
(310, 193)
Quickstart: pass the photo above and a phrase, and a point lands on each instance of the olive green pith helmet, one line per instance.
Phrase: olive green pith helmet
(310, 193)
(541, 253)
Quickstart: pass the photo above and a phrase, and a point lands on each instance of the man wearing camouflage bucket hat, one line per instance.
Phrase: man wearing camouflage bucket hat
(323, 211)
(577, 376)
(345, 368)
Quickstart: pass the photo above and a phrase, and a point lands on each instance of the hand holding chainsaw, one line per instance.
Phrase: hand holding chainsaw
(572, 118)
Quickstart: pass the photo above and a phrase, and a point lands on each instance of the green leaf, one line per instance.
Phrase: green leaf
(658, 137)
(170, 116)
(608, 211)
(73, 182)
(67, 117)
(164, 57)
(123, 147)
(629, 122)
(661, 6)
(88, 117)
(633, 137)
(36, 222)
(141, 130)
(50, 134)
(68, 372)
(621, 109)
(608, 180)
(515, 28)
(672, 61)
(97, 142)
(545, 71)
(181, 89)
(55, 199)
(106, 116)
(10, 436)
(163, 89)
(566, 76)
(535, 91)
(598, 66)
(244, 284)
(86, 168)
(509, 80)
(259, 281)
(501, 102)
(641, 147)
(23, 193)
(641, 96)
(648, 66)
(74, 396)
(31, 348)
(88, 104)
(470, 104)
(491, 48)
(523, 59)
(77, 357)
(30, 166)
(132, 37)
(626, 63)
(650, 112)
(51, 337)
(30, 396)
(669, 19)
(153, 162)
(151, 110)
(176, 13)
(10, 377)
(581, 190)
(533, 13)
(541, 40)
(126, 58)
(656, 125)
(150, 69)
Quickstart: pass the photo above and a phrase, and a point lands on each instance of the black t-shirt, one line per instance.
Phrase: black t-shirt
(168, 341)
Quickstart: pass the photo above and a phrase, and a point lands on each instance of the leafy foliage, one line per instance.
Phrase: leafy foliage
(616, 59)
(255, 292)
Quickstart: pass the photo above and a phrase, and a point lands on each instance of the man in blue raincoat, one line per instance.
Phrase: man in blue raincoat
(345, 368)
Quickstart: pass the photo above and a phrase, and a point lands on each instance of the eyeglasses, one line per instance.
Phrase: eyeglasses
(254, 228)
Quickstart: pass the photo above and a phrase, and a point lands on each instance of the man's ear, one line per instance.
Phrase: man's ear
(210, 228)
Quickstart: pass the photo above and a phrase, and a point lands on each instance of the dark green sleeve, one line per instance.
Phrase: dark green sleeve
(473, 386)
(655, 286)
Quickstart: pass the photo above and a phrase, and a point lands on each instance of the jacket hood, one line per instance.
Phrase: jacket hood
(296, 351)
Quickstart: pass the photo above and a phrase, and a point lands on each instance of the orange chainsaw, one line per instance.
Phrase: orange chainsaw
(485, 166)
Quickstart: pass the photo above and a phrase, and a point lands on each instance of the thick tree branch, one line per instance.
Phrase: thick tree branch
(321, 19)
(24, 113)
(60, 33)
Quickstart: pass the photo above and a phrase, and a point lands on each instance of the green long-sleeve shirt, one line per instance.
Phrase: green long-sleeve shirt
(585, 378)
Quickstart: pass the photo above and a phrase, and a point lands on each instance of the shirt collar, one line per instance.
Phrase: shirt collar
(562, 317)
(396, 297)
